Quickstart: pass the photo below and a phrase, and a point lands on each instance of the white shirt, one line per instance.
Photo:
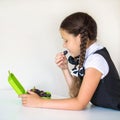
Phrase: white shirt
(96, 61)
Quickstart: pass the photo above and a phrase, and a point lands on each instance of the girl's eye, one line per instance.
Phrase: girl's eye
(66, 41)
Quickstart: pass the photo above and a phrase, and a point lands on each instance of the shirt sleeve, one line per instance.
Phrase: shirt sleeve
(98, 62)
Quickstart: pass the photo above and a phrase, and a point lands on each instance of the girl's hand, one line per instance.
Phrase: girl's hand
(31, 99)
(61, 61)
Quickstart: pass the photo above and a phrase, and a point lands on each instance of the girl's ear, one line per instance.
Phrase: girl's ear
(79, 36)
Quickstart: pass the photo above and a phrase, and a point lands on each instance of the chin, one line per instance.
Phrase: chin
(71, 55)
(74, 55)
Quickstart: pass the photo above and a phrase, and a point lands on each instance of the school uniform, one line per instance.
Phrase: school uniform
(107, 93)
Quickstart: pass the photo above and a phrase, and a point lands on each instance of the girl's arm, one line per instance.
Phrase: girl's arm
(62, 63)
(88, 87)
(68, 77)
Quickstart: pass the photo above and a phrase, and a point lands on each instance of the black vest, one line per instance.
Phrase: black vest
(107, 93)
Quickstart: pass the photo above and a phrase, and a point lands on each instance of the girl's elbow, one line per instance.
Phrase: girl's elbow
(81, 107)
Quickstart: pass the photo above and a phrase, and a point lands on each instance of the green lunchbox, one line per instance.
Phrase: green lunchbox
(16, 85)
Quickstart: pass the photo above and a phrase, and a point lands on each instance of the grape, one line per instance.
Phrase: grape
(65, 52)
(41, 93)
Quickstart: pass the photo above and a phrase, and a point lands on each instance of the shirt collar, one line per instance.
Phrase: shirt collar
(92, 48)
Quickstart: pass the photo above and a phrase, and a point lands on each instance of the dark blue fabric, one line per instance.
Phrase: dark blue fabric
(107, 93)
(73, 61)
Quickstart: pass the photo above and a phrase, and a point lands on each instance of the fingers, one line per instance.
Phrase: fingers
(61, 61)
(24, 98)
(29, 100)
(26, 95)
(59, 58)
(24, 101)
(30, 92)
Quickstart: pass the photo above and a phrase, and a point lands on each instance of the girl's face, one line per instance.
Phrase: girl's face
(71, 42)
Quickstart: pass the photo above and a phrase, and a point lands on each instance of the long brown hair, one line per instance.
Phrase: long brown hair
(83, 24)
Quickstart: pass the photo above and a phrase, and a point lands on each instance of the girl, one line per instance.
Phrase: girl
(94, 77)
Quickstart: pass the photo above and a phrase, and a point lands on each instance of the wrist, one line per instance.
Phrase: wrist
(41, 102)
(65, 70)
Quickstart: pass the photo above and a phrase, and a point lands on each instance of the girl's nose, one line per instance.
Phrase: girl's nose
(64, 46)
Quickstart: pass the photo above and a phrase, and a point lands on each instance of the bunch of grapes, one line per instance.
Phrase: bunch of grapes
(42, 93)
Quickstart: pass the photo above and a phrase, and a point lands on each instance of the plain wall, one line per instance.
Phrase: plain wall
(30, 38)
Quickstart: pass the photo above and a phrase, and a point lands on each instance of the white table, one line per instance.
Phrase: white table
(11, 109)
